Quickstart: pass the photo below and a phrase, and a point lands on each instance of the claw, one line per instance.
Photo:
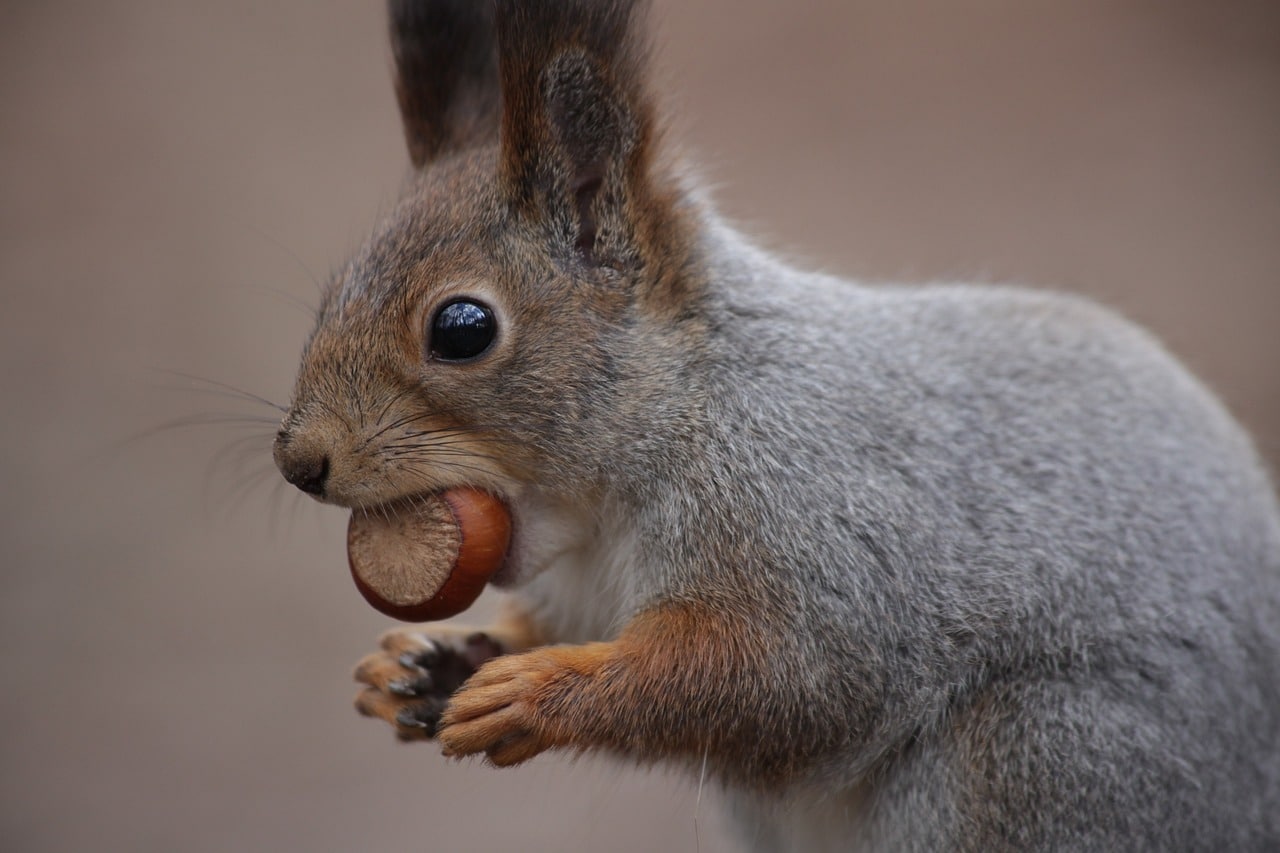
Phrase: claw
(409, 660)
(410, 687)
(411, 680)
(430, 655)
(409, 720)
(418, 720)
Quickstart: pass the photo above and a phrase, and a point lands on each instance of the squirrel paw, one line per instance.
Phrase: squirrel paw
(411, 679)
(517, 706)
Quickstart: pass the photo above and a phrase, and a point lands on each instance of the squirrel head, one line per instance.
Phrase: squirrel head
(518, 313)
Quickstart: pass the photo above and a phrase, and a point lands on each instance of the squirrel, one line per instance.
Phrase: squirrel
(938, 567)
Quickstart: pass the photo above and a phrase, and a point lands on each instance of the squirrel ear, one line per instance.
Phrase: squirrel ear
(446, 74)
(576, 120)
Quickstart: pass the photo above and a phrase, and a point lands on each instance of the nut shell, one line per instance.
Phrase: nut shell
(428, 558)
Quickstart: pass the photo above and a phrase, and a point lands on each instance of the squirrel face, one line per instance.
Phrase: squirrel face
(386, 403)
(538, 208)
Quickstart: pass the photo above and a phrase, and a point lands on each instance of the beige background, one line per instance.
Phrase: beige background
(177, 625)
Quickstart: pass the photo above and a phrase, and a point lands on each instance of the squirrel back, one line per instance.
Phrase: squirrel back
(943, 567)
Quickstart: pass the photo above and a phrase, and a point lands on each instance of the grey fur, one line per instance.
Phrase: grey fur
(1034, 564)
(1007, 576)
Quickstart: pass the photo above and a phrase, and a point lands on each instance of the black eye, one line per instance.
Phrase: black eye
(462, 330)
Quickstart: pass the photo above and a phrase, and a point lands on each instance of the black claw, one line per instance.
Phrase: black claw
(410, 687)
(424, 717)
(430, 655)
(438, 669)
(409, 720)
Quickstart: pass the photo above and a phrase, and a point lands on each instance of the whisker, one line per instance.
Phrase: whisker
(244, 448)
(197, 420)
(301, 304)
(447, 440)
(444, 463)
(394, 424)
(239, 392)
(477, 433)
(249, 483)
(217, 418)
(273, 505)
(427, 454)
(324, 404)
(244, 445)
(427, 440)
(262, 234)
(240, 454)
(205, 392)
(395, 398)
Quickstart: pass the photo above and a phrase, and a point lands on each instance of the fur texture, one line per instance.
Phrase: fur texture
(927, 568)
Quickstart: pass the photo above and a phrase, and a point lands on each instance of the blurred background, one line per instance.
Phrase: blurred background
(178, 626)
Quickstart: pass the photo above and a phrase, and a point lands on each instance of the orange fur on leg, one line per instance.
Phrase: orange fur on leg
(672, 684)
(504, 709)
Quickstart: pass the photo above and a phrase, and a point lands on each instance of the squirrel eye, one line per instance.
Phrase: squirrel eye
(462, 330)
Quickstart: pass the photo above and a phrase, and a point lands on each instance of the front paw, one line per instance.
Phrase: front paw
(520, 705)
(411, 679)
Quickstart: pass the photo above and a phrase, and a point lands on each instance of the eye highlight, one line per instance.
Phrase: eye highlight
(461, 330)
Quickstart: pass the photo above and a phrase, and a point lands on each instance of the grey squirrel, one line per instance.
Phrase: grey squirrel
(902, 568)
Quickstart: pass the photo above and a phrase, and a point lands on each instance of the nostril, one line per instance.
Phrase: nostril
(309, 474)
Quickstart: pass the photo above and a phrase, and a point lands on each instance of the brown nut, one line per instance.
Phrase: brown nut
(430, 557)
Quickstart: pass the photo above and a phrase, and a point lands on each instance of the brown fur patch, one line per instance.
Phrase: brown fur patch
(680, 681)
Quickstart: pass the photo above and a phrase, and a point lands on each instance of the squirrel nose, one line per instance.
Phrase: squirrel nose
(307, 473)
(305, 467)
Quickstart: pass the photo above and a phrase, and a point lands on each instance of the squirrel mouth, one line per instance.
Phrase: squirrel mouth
(428, 557)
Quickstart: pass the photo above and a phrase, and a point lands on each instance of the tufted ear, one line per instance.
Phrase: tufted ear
(446, 74)
(576, 119)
